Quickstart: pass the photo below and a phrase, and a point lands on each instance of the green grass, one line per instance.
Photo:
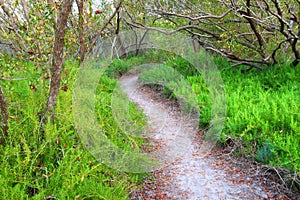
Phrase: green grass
(262, 113)
(262, 107)
(59, 166)
(263, 110)
(114, 131)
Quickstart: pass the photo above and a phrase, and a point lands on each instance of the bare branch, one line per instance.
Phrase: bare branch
(252, 22)
(13, 79)
(105, 25)
(273, 55)
(249, 64)
(137, 25)
(25, 10)
(258, 27)
(278, 16)
(207, 16)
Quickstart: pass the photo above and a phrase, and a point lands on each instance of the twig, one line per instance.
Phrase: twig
(12, 79)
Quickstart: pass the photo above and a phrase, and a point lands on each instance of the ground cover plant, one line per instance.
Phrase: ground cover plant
(262, 117)
(57, 166)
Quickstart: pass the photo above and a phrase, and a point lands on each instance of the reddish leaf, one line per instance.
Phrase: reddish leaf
(97, 12)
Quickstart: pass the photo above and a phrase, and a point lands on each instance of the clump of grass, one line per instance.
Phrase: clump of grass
(173, 85)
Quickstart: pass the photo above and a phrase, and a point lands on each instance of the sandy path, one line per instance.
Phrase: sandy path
(186, 174)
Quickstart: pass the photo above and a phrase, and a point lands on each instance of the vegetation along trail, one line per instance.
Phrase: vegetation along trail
(186, 174)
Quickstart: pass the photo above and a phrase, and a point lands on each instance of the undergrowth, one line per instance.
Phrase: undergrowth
(58, 167)
(263, 111)
(262, 114)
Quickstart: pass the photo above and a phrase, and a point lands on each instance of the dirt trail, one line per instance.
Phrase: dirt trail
(187, 174)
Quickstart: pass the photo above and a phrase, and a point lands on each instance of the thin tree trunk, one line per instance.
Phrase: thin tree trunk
(4, 115)
(119, 43)
(81, 30)
(57, 61)
(295, 49)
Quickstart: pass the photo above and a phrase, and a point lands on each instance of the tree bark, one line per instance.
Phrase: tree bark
(4, 115)
(57, 61)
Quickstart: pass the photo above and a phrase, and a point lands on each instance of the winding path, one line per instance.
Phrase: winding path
(186, 174)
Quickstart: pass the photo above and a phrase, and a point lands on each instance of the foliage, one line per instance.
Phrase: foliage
(108, 123)
(58, 167)
(29, 27)
(264, 108)
(263, 111)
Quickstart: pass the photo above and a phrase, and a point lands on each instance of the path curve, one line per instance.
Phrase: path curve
(187, 175)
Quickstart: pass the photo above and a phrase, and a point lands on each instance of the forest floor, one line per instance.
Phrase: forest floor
(186, 173)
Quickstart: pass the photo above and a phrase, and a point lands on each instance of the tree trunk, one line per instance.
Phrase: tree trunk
(81, 29)
(119, 44)
(57, 61)
(4, 115)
